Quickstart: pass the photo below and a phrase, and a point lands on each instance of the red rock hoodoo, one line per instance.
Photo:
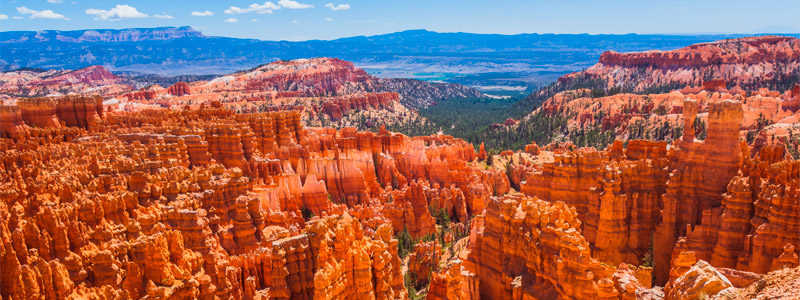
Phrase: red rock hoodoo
(208, 203)
(179, 89)
(258, 185)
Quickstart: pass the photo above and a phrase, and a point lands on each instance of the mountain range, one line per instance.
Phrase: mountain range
(501, 64)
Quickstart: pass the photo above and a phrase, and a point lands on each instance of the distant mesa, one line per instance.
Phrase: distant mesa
(102, 35)
(749, 50)
(692, 65)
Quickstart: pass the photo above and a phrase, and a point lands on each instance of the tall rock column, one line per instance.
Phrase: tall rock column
(701, 171)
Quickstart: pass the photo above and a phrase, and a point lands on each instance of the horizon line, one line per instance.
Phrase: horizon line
(431, 31)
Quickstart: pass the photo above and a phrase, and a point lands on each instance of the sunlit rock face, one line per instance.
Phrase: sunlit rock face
(746, 62)
(250, 186)
(89, 80)
(206, 202)
(530, 248)
(653, 200)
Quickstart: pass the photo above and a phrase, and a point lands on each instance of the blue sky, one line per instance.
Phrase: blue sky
(330, 19)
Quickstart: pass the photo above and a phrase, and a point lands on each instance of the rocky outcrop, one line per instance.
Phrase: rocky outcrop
(532, 149)
(699, 177)
(39, 112)
(351, 265)
(423, 260)
(482, 152)
(659, 116)
(206, 203)
(10, 121)
(72, 111)
(512, 246)
(702, 196)
(92, 75)
(91, 80)
(616, 192)
(228, 195)
(142, 95)
(758, 50)
(691, 65)
(780, 284)
(693, 279)
(454, 282)
(740, 234)
(84, 112)
(324, 90)
(179, 89)
(305, 77)
(338, 107)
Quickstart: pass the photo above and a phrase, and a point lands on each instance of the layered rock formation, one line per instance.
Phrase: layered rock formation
(423, 260)
(218, 190)
(700, 174)
(763, 58)
(43, 116)
(326, 90)
(454, 282)
(758, 50)
(528, 248)
(207, 203)
(616, 192)
(92, 75)
(644, 201)
(338, 107)
(30, 83)
(660, 116)
(754, 228)
(179, 89)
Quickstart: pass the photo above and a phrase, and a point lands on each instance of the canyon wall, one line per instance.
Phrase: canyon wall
(751, 62)
(735, 207)
(220, 190)
(207, 203)
(528, 248)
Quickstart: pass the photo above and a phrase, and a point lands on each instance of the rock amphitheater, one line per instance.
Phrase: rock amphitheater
(193, 199)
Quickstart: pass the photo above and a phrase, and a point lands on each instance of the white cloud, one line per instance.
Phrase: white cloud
(16, 18)
(294, 4)
(294, 22)
(329, 19)
(265, 8)
(3, 17)
(55, 1)
(164, 16)
(343, 6)
(237, 10)
(117, 13)
(253, 20)
(231, 20)
(42, 14)
(203, 13)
